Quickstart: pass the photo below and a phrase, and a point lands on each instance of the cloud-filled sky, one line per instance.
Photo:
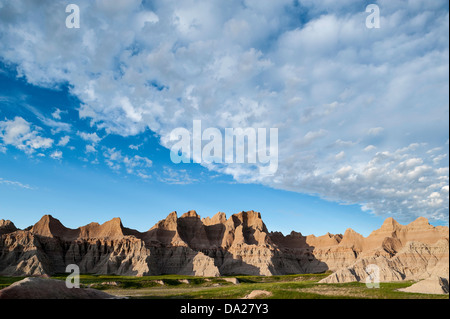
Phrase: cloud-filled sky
(362, 114)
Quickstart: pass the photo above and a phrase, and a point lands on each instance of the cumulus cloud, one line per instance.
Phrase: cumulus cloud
(57, 114)
(90, 137)
(413, 186)
(135, 147)
(311, 69)
(312, 136)
(176, 176)
(21, 134)
(91, 149)
(375, 131)
(56, 154)
(340, 156)
(370, 148)
(64, 141)
(137, 165)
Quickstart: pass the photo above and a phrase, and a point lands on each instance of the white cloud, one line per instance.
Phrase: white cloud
(179, 177)
(137, 161)
(375, 131)
(135, 147)
(14, 183)
(405, 184)
(89, 137)
(90, 149)
(64, 141)
(145, 17)
(312, 70)
(137, 165)
(23, 135)
(370, 148)
(57, 114)
(340, 156)
(56, 126)
(311, 136)
(56, 154)
(439, 158)
(341, 143)
(113, 158)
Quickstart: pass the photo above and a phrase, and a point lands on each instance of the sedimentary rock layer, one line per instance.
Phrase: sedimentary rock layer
(217, 246)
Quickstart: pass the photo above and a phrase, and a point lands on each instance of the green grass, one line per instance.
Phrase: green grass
(6, 281)
(311, 289)
(303, 286)
(132, 282)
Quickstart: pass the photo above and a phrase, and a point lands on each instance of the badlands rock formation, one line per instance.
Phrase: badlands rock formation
(176, 245)
(43, 288)
(217, 246)
(433, 285)
(412, 252)
(6, 226)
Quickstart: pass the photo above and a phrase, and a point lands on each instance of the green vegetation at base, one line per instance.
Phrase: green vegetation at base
(304, 286)
(6, 281)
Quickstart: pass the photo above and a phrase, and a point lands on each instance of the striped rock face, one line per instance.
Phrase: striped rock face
(217, 246)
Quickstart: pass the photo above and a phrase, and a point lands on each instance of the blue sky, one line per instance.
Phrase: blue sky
(79, 188)
(362, 114)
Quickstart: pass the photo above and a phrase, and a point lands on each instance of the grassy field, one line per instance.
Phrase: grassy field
(6, 281)
(304, 286)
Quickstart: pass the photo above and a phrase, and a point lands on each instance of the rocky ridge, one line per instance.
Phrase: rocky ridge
(216, 246)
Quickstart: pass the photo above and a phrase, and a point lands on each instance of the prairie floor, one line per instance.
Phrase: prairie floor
(303, 286)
